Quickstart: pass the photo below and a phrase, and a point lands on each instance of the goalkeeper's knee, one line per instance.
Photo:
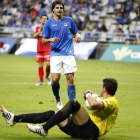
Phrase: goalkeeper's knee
(75, 105)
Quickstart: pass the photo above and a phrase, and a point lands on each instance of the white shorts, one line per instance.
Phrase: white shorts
(66, 64)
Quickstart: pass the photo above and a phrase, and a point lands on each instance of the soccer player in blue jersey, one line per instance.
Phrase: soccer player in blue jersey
(60, 30)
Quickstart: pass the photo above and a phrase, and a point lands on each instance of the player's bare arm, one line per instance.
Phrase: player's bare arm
(48, 40)
(77, 37)
(92, 101)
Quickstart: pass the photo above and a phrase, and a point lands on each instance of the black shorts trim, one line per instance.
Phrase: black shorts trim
(86, 131)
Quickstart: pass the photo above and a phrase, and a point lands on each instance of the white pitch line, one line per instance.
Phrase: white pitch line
(81, 72)
(80, 77)
(17, 75)
(76, 83)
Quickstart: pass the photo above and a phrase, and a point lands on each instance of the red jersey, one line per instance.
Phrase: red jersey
(42, 47)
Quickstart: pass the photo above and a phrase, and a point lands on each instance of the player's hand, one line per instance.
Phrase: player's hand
(41, 27)
(77, 39)
(55, 39)
(85, 92)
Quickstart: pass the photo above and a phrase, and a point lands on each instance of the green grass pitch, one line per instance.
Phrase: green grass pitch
(18, 93)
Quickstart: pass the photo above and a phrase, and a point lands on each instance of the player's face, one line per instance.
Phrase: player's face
(58, 10)
(43, 19)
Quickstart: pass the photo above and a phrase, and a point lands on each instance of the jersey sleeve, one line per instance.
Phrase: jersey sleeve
(46, 31)
(108, 104)
(73, 27)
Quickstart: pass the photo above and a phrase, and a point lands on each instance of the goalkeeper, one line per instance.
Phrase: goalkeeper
(81, 124)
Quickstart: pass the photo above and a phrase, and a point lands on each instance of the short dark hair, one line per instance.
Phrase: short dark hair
(57, 2)
(111, 85)
(43, 16)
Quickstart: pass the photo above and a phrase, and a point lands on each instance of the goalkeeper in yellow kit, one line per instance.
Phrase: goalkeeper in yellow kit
(81, 124)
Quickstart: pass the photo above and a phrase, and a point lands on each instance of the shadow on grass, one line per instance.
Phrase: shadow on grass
(47, 138)
(69, 138)
(119, 137)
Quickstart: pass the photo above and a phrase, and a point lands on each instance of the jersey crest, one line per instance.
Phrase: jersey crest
(106, 101)
(65, 23)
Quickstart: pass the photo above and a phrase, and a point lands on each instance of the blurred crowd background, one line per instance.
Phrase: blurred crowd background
(119, 16)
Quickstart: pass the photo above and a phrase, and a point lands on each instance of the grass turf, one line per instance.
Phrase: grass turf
(18, 93)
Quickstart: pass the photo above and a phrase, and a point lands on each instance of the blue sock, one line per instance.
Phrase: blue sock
(55, 89)
(71, 92)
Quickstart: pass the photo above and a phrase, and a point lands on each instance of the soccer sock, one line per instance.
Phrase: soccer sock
(55, 89)
(47, 71)
(34, 117)
(41, 73)
(71, 107)
(71, 92)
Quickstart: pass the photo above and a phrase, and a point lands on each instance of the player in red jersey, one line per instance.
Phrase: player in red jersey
(43, 52)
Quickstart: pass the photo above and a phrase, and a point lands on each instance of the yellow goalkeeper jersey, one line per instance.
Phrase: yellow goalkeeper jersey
(105, 119)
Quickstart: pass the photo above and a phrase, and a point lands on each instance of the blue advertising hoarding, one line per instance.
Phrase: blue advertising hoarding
(122, 52)
(8, 44)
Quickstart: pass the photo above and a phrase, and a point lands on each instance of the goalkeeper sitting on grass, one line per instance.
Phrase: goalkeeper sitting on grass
(81, 124)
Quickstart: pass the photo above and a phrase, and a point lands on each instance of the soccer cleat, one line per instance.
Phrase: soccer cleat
(39, 83)
(49, 81)
(37, 129)
(59, 105)
(9, 117)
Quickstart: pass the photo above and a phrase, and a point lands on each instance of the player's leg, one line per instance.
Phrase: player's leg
(80, 115)
(40, 60)
(86, 127)
(47, 73)
(70, 67)
(81, 119)
(47, 60)
(41, 71)
(55, 88)
(56, 69)
(61, 118)
(11, 118)
(72, 107)
(34, 117)
(71, 87)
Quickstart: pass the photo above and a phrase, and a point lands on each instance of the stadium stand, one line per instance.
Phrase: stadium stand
(121, 18)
